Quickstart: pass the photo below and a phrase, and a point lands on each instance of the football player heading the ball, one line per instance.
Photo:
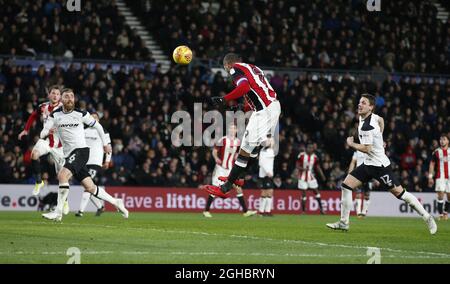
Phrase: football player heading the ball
(251, 83)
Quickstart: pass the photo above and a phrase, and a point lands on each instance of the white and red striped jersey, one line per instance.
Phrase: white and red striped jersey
(306, 164)
(226, 150)
(441, 158)
(43, 111)
(261, 92)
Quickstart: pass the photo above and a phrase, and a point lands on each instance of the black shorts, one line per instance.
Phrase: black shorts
(94, 170)
(384, 175)
(76, 163)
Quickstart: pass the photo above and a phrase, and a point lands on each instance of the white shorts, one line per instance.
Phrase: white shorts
(43, 147)
(443, 185)
(304, 185)
(219, 171)
(260, 124)
(266, 167)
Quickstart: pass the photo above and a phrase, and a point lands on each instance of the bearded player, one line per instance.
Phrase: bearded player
(250, 83)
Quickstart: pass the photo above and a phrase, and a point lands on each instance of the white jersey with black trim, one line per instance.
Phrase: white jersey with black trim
(70, 128)
(95, 144)
(359, 157)
(370, 134)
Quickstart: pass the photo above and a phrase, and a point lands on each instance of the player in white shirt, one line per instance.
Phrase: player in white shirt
(69, 123)
(362, 197)
(376, 165)
(266, 161)
(225, 153)
(97, 161)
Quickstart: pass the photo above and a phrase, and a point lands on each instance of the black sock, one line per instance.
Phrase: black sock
(320, 203)
(447, 206)
(440, 206)
(36, 170)
(235, 173)
(209, 202)
(304, 204)
(242, 202)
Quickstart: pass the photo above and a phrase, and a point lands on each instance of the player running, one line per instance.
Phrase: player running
(51, 145)
(69, 123)
(97, 161)
(441, 160)
(266, 161)
(224, 154)
(251, 83)
(362, 197)
(376, 165)
(308, 165)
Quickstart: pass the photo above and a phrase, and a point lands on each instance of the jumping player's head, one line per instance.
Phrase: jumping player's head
(68, 99)
(366, 105)
(54, 94)
(232, 131)
(443, 140)
(229, 60)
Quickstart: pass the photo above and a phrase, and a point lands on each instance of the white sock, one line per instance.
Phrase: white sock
(358, 206)
(63, 192)
(269, 201)
(84, 200)
(262, 204)
(415, 204)
(365, 208)
(97, 202)
(103, 195)
(346, 204)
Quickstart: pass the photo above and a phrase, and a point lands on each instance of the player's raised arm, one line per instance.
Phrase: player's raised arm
(381, 123)
(352, 165)
(48, 127)
(91, 122)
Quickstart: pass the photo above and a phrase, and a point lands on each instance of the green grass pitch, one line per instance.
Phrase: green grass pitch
(226, 238)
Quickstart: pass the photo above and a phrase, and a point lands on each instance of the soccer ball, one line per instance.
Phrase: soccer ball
(182, 55)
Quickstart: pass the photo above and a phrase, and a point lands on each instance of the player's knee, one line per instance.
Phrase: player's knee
(398, 191)
(35, 154)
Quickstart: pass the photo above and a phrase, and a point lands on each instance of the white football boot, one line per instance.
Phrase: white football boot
(121, 208)
(53, 216)
(37, 188)
(338, 226)
(431, 224)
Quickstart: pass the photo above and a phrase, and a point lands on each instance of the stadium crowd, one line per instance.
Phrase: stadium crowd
(404, 36)
(45, 28)
(135, 106)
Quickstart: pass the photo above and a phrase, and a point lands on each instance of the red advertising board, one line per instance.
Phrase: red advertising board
(154, 199)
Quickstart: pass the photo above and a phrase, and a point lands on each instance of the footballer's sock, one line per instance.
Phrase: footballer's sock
(84, 200)
(36, 170)
(365, 208)
(103, 195)
(238, 169)
(269, 201)
(97, 202)
(209, 202)
(346, 203)
(63, 192)
(240, 196)
(440, 206)
(320, 202)
(358, 206)
(447, 206)
(304, 203)
(414, 203)
(262, 204)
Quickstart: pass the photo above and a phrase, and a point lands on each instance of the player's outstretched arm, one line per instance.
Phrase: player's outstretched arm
(48, 127)
(352, 165)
